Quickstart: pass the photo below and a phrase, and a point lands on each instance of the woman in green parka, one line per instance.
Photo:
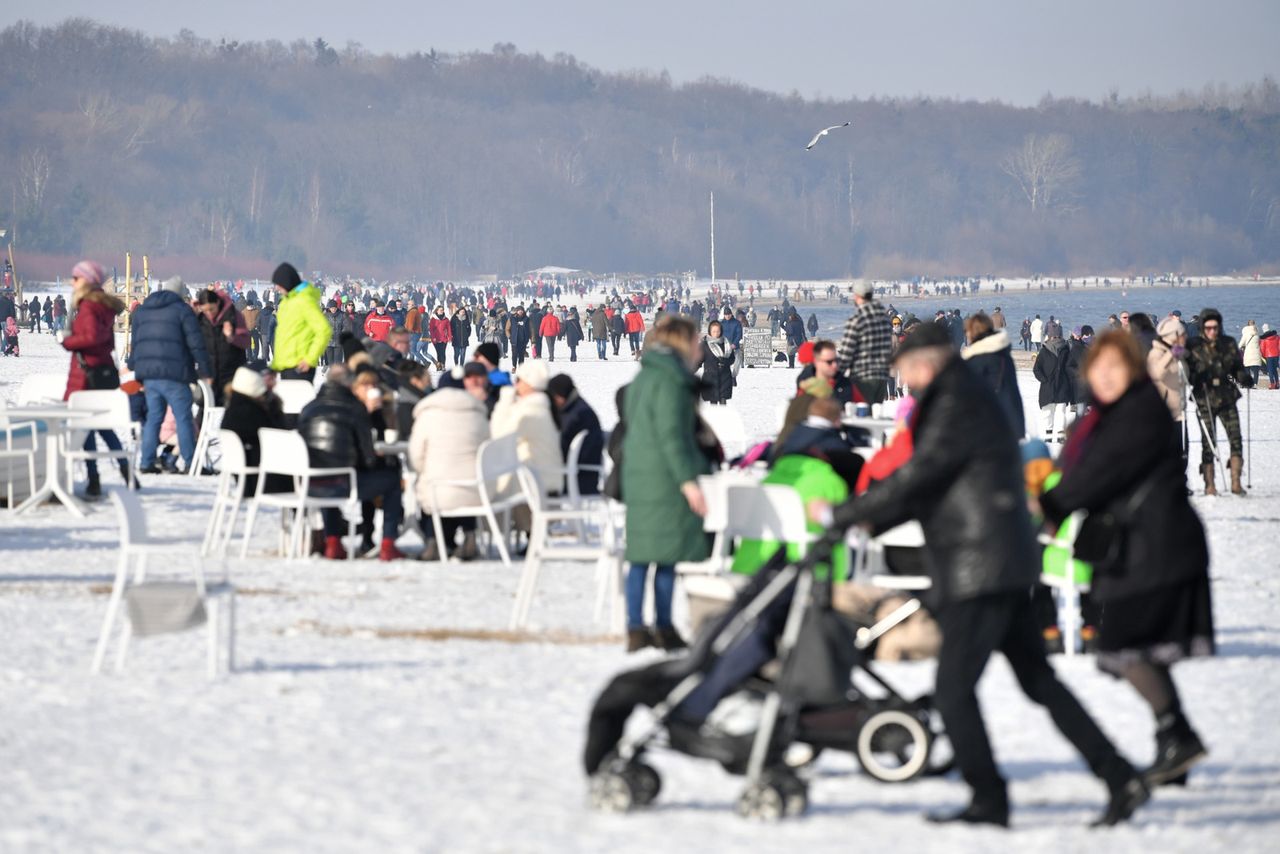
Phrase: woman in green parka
(661, 462)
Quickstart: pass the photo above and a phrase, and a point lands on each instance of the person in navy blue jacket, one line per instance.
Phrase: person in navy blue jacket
(167, 354)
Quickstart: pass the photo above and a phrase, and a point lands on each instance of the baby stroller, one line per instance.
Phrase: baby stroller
(781, 649)
(11, 347)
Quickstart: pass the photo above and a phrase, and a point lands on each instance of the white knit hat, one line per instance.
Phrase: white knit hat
(535, 373)
(249, 383)
(175, 285)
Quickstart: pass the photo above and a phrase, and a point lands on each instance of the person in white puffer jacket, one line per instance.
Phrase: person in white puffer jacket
(1251, 350)
(449, 425)
(525, 410)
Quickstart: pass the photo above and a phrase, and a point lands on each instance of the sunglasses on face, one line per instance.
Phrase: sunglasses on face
(1211, 327)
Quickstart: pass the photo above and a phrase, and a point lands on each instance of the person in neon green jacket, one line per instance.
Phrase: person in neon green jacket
(302, 331)
(812, 478)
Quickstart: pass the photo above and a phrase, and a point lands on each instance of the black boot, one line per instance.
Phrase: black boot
(638, 639)
(1125, 799)
(983, 809)
(124, 473)
(668, 639)
(94, 489)
(1177, 749)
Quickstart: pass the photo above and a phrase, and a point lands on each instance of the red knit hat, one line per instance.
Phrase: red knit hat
(805, 354)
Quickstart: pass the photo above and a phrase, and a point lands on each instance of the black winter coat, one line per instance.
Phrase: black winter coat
(573, 331)
(964, 484)
(1075, 367)
(338, 430)
(166, 343)
(717, 374)
(224, 356)
(519, 332)
(576, 417)
(992, 360)
(245, 417)
(1053, 369)
(1131, 440)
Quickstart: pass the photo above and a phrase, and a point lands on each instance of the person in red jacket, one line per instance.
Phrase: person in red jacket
(1269, 347)
(379, 324)
(635, 328)
(91, 341)
(549, 329)
(440, 330)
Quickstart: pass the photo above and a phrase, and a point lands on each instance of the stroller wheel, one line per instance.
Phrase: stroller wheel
(611, 792)
(781, 794)
(645, 783)
(893, 746)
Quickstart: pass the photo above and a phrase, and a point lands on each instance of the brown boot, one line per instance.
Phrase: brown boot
(1236, 464)
(1207, 471)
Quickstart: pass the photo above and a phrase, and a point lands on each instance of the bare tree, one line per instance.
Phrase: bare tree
(226, 229)
(33, 178)
(1044, 168)
(101, 113)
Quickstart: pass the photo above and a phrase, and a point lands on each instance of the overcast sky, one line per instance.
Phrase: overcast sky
(1015, 50)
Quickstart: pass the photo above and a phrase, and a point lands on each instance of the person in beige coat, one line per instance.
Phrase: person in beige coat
(525, 410)
(1164, 364)
(449, 425)
(1251, 350)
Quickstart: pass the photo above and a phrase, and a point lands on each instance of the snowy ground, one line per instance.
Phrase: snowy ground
(351, 725)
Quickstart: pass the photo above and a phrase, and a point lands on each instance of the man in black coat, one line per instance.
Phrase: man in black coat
(577, 416)
(964, 485)
(339, 434)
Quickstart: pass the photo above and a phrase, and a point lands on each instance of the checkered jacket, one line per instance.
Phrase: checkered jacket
(868, 340)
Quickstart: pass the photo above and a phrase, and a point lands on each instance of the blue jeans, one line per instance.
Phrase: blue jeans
(370, 483)
(601, 346)
(162, 394)
(664, 587)
(112, 441)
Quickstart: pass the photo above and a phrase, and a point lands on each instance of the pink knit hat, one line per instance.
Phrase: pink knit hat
(90, 271)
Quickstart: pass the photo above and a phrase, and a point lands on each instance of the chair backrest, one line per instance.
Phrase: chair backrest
(205, 401)
(132, 518)
(572, 463)
(727, 424)
(39, 388)
(294, 394)
(766, 512)
(715, 490)
(233, 456)
(530, 487)
(497, 457)
(114, 404)
(282, 452)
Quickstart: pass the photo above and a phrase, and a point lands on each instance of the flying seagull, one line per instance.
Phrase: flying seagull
(820, 134)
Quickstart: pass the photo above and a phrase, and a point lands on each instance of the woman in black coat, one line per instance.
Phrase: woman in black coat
(250, 407)
(716, 360)
(990, 356)
(573, 334)
(1125, 458)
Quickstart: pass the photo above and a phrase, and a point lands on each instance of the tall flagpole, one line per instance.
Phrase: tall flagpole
(713, 237)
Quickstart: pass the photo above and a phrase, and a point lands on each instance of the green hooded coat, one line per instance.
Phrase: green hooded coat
(659, 453)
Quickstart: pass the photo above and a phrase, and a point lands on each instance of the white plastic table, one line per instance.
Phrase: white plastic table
(51, 414)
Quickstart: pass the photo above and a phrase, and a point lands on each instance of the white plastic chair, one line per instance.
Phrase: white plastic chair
(727, 424)
(495, 458)
(605, 554)
(24, 456)
(285, 452)
(230, 494)
(208, 427)
(715, 491)
(137, 545)
(115, 416)
(294, 395)
(42, 388)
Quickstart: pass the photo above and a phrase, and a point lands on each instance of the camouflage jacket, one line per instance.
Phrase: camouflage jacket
(1215, 369)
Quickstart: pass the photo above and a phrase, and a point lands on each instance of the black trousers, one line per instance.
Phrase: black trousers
(972, 630)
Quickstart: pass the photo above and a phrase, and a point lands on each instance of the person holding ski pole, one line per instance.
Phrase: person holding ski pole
(1217, 374)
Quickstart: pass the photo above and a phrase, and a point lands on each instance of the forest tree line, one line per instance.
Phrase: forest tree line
(229, 155)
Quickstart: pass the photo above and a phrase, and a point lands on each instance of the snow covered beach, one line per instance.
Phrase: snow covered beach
(357, 721)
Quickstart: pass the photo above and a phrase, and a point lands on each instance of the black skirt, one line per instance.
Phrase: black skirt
(1161, 626)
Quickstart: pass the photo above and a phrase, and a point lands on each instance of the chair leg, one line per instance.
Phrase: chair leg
(438, 527)
(214, 619)
(126, 632)
(230, 523)
(499, 538)
(231, 631)
(248, 528)
(113, 608)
